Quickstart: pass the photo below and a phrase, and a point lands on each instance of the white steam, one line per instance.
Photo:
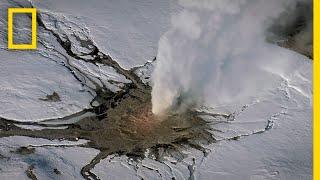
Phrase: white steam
(216, 54)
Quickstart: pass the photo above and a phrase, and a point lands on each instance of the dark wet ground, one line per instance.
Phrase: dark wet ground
(129, 128)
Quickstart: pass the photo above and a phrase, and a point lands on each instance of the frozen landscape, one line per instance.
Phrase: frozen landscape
(170, 89)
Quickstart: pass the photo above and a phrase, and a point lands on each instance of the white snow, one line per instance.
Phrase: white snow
(126, 30)
(34, 127)
(26, 77)
(113, 168)
(18, 141)
(102, 75)
(47, 157)
(144, 72)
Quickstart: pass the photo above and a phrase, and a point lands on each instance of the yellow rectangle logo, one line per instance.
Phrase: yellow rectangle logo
(33, 13)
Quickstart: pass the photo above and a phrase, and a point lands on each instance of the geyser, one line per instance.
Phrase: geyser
(216, 54)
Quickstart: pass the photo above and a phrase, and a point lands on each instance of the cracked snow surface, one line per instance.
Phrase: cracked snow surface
(62, 106)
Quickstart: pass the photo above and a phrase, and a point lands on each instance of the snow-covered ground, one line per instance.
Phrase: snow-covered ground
(127, 30)
(28, 77)
(45, 158)
(270, 138)
(284, 151)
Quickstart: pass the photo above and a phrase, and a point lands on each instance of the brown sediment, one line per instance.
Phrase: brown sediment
(124, 123)
(56, 171)
(130, 128)
(30, 173)
(54, 97)
(25, 150)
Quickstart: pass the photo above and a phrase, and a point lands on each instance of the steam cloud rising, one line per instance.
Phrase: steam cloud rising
(216, 53)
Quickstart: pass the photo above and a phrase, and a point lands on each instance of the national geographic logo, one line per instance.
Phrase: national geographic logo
(33, 12)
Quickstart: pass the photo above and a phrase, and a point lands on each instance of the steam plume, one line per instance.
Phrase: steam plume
(216, 54)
